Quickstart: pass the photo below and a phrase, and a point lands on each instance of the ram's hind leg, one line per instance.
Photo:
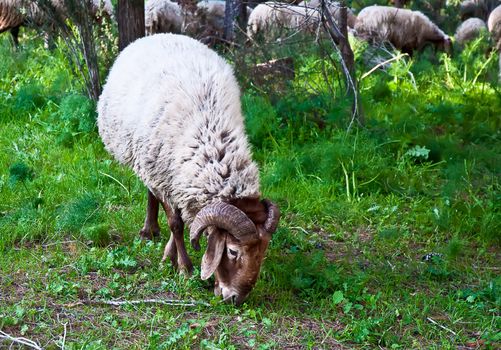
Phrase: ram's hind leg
(151, 229)
(175, 248)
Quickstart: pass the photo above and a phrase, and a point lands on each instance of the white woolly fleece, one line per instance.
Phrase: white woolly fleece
(171, 110)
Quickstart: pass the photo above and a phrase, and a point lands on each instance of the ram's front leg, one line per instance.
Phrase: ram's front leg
(175, 249)
(151, 229)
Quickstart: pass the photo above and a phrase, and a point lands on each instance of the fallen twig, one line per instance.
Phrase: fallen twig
(394, 58)
(437, 324)
(58, 242)
(64, 336)
(171, 302)
(20, 340)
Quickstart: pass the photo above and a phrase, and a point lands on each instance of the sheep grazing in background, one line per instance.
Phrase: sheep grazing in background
(17, 13)
(494, 25)
(102, 8)
(270, 18)
(207, 22)
(477, 8)
(333, 9)
(469, 30)
(406, 30)
(162, 16)
(171, 111)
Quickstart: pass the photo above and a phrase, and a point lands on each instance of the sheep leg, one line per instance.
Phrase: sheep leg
(15, 35)
(151, 229)
(176, 225)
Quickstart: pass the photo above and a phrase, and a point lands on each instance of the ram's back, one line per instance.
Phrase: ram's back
(171, 110)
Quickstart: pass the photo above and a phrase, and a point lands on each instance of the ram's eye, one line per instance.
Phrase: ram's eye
(232, 252)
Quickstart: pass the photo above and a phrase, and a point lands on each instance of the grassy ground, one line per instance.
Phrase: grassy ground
(346, 268)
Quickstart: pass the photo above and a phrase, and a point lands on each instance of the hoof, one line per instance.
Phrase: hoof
(149, 234)
(186, 271)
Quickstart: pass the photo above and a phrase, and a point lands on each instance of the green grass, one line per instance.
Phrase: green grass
(345, 267)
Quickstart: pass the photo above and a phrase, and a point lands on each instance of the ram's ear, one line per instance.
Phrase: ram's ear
(215, 248)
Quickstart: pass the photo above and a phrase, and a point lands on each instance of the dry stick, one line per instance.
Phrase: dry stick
(171, 302)
(58, 242)
(64, 335)
(394, 58)
(436, 323)
(20, 340)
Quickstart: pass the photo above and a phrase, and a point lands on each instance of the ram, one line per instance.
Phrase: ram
(170, 110)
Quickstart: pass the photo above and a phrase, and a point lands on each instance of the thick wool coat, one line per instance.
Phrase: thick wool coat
(171, 111)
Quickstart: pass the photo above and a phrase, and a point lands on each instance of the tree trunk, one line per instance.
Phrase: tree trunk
(242, 15)
(230, 16)
(339, 36)
(344, 44)
(130, 17)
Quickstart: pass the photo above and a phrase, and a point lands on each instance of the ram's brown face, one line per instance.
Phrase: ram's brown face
(238, 236)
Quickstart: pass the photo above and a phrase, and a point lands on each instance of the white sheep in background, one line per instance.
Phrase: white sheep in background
(206, 23)
(406, 30)
(162, 16)
(102, 8)
(17, 13)
(477, 8)
(494, 25)
(214, 11)
(333, 7)
(469, 30)
(170, 110)
(271, 17)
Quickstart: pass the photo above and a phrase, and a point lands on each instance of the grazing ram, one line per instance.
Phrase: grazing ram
(406, 30)
(171, 111)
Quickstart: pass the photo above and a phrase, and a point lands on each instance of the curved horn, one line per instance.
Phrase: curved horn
(225, 216)
(271, 223)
